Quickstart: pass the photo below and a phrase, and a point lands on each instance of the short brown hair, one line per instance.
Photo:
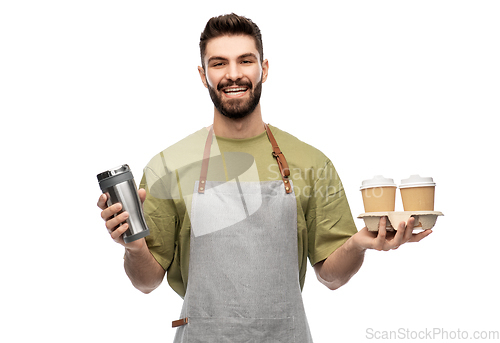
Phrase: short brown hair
(227, 25)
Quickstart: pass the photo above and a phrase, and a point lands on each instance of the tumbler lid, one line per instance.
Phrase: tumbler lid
(113, 171)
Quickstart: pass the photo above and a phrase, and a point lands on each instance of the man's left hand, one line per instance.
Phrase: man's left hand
(388, 240)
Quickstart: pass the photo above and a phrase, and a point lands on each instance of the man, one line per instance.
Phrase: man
(234, 206)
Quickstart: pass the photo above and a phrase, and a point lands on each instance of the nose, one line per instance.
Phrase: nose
(234, 72)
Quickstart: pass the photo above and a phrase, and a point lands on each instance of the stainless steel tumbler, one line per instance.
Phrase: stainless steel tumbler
(119, 185)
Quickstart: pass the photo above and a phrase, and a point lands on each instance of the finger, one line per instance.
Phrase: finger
(101, 203)
(419, 236)
(116, 234)
(409, 230)
(113, 223)
(382, 233)
(110, 211)
(399, 237)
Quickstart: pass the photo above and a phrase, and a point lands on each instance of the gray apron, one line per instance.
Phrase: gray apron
(243, 270)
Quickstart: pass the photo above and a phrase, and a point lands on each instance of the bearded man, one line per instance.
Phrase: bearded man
(230, 226)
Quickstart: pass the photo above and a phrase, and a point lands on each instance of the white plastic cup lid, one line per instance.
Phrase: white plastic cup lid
(377, 181)
(417, 181)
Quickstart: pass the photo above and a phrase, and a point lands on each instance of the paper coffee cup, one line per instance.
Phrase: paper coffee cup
(379, 194)
(417, 193)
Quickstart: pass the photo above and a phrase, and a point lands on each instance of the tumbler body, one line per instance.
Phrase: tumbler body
(119, 185)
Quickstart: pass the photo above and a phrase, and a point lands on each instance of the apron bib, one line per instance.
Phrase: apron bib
(243, 269)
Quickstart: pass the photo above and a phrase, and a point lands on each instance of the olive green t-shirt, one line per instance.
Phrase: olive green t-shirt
(324, 220)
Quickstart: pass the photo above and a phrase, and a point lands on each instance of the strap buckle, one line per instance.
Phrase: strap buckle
(180, 322)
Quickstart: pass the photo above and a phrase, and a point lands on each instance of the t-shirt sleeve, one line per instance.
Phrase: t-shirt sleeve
(330, 222)
(162, 220)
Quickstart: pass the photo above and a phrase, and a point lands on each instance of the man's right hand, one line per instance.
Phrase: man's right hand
(115, 224)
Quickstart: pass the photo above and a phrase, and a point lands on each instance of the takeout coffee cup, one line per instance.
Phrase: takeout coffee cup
(379, 194)
(417, 193)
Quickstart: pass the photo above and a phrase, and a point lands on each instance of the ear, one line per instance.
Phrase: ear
(265, 70)
(203, 77)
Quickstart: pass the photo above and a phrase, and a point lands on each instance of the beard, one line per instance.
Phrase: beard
(236, 108)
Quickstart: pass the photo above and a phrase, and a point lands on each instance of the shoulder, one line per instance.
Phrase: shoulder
(298, 152)
(180, 154)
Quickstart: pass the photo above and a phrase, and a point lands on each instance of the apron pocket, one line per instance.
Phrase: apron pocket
(239, 330)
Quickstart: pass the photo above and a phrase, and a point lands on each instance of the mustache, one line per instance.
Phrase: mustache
(238, 83)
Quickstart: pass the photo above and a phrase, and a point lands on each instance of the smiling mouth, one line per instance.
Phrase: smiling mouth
(235, 91)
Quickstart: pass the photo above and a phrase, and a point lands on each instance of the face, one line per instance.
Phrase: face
(233, 75)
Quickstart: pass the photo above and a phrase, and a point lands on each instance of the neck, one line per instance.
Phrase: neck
(247, 127)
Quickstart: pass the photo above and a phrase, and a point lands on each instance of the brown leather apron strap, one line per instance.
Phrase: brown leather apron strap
(180, 322)
(280, 159)
(206, 158)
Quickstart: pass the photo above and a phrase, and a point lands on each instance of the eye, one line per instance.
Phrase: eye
(217, 64)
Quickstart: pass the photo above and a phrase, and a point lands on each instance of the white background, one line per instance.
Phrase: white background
(381, 87)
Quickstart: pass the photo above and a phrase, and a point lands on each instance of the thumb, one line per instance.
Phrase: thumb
(102, 202)
(142, 194)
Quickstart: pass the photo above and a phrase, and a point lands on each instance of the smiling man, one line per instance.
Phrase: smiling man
(231, 227)
(234, 91)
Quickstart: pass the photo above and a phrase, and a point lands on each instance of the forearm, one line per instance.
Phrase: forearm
(143, 270)
(341, 265)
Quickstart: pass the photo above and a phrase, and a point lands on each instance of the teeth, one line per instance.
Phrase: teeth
(231, 90)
